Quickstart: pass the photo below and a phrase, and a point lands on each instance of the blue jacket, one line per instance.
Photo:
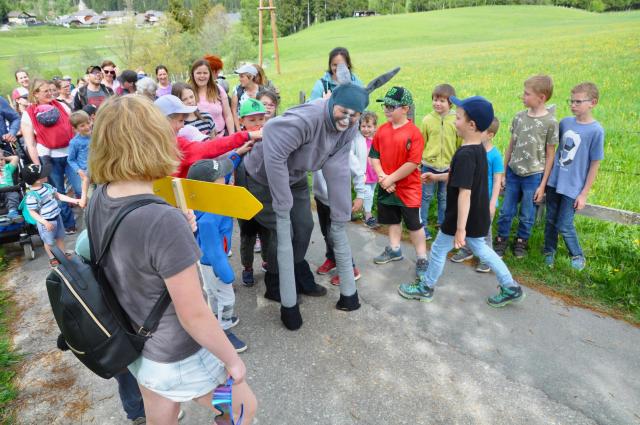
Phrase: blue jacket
(326, 83)
(8, 115)
(78, 152)
(214, 238)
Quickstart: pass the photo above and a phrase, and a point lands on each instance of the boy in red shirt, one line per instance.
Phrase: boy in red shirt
(396, 153)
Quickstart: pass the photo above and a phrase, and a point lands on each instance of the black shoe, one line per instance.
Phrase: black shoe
(291, 317)
(520, 248)
(500, 245)
(316, 291)
(348, 303)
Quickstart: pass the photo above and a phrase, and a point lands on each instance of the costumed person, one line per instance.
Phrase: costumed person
(309, 137)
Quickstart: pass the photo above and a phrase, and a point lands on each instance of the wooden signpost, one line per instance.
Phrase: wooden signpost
(274, 32)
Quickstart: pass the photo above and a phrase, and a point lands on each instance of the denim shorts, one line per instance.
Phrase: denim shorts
(183, 380)
(49, 237)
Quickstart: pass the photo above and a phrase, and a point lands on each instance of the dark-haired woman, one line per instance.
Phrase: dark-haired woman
(164, 85)
(325, 85)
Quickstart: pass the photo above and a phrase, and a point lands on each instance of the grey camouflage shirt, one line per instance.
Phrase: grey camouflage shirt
(531, 136)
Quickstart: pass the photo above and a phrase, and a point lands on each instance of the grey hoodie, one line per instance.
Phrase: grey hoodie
(304, 139)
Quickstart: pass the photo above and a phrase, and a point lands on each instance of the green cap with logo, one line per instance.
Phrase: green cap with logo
(397, 96)
(251, 107)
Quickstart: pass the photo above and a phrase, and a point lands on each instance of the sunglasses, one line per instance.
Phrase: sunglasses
(109, 72)
(223, 402)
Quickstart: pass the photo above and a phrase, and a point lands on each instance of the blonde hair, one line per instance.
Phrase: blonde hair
(34, 88)
(494, 126)
(541, 84)
(132, 140)
(79, 117)
(589, 88)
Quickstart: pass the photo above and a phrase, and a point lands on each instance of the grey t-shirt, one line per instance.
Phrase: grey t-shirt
(531, 136)
(152, 243)
(580, 144)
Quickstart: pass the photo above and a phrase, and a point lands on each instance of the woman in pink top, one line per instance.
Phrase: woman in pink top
(211, 97)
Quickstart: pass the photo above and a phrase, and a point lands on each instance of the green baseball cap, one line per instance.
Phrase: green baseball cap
(251, 107)
(397, 96)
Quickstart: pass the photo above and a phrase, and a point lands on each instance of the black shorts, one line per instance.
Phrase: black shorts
(394, 214)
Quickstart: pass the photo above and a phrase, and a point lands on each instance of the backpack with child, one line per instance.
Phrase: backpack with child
(93, 324)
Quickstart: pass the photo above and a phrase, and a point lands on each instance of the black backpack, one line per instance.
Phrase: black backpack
(93, 324)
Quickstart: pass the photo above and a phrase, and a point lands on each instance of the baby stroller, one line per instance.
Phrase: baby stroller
(12, 229)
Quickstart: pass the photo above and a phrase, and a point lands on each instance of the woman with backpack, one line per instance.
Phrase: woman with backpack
(152, 250)
(47, 131)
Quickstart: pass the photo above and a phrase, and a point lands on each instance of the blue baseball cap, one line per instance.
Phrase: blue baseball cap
(479, 110)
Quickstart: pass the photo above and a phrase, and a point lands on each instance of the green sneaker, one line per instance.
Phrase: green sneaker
(506, 296)
(416, 291)
(549, 259)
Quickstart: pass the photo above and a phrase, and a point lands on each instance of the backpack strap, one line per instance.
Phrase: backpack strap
(153, 319)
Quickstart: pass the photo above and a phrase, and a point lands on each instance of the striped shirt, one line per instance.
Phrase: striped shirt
(47, 206)
(205, 125)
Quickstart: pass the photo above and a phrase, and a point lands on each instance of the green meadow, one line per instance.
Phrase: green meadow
(488, 51)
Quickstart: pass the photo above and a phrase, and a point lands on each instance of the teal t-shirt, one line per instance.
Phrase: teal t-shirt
(7, 175)
(495, 165)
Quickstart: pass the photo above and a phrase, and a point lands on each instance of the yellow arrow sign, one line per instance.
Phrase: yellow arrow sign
(231, 201)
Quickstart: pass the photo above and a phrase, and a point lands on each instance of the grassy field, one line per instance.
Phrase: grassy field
(488, 51)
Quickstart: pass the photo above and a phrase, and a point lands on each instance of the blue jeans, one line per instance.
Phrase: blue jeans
(560, 214)
(444, 243)
(518, 189)
(60, 168)
(130, 395)
(428, 190)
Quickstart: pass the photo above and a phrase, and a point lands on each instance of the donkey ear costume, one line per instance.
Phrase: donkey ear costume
(305, 138)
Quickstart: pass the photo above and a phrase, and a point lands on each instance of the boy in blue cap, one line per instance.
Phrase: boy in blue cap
(467, 196)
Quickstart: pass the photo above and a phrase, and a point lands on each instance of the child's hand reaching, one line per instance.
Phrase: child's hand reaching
(82, 203)
(82, 175)
(245, 148)
(256, 135)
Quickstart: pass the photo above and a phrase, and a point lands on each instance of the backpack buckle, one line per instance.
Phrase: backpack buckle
(144, 332)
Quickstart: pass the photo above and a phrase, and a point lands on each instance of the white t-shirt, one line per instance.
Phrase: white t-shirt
(42, 149)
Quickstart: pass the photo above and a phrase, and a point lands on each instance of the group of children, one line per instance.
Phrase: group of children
(455, 153)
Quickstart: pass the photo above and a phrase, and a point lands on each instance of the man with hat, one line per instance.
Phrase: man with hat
(309, 137)
(127, 81)
(94, 92)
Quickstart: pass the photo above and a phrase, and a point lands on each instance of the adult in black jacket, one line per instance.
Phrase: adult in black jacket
(94, 93)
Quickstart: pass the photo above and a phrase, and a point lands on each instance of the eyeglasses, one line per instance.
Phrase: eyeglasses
(96, 72)
(577, 101)
(222, 401)
(109, 72)
(390, 108)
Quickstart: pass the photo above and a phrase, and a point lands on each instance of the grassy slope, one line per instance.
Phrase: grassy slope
(491, 51)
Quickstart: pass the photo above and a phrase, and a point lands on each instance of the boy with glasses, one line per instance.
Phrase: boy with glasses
(396, 152)
(575, 167)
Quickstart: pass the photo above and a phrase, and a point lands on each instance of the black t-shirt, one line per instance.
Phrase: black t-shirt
(468, 171)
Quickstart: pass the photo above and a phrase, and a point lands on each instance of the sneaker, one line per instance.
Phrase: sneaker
(335, 280)
(229, 254)
(427, 234)
(70, 231)
(240, 346)
(258, 246)
(549, 259)
(520, 248)
(326, 267)
(181, 415)
(139, 421)
(388, 255)
(500, 245)
(371, 223)
(578, 262)
(483, 268)
(230, 323)
(462, 255)
(506, 296)
(263, 266)
(247, 277)
(416, 291)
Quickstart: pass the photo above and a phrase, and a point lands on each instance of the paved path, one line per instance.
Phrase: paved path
(453, 361)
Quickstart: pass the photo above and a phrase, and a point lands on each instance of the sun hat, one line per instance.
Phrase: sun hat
(170, 104)
(247, 69)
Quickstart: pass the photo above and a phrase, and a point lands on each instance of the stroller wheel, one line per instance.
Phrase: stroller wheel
(29, 252)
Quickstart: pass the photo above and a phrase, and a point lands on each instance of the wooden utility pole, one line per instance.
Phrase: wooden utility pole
(274, 33)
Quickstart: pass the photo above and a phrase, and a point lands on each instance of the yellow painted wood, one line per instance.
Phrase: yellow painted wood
(231, 201)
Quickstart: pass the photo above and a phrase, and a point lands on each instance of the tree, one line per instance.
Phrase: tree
(178, 13)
